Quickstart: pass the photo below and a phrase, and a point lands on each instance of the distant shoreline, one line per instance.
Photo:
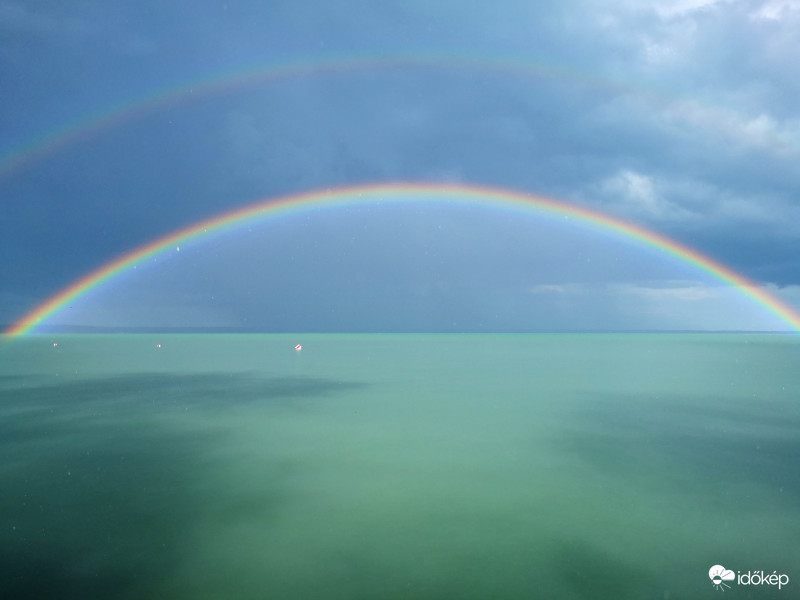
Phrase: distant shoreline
(78, 329)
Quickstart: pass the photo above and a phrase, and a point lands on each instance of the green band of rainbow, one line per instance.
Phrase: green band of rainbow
(192, 90)
(406, 193)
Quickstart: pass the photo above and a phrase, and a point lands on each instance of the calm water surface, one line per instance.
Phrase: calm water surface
(398, 466)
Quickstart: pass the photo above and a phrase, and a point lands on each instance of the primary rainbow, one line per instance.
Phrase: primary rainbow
(405, 193)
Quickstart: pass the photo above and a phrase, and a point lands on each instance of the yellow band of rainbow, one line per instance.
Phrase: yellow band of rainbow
(404, 192)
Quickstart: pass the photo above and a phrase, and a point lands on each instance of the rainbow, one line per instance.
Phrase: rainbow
(251, 77)
(405, 193)
(191, 91)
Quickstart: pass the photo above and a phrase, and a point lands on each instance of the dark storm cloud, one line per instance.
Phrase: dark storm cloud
(676, 115)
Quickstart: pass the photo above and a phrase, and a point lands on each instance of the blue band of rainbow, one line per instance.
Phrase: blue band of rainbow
(406, 193)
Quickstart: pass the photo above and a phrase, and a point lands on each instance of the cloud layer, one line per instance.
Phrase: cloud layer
(678, 116)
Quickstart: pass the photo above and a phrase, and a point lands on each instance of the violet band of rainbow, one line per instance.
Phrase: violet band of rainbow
(406, 192)
(254, 76)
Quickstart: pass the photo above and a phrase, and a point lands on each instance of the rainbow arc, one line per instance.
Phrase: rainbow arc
(406, 193)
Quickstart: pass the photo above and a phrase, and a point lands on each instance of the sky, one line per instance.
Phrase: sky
(123, 122)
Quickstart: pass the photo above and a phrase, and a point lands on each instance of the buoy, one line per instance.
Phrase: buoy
(298, 347)
(158, 345)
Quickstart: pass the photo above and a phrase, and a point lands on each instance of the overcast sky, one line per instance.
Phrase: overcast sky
(680, 116)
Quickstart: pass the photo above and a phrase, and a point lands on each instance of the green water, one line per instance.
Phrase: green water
(408, 466)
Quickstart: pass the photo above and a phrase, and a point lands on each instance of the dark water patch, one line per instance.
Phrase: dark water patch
(101, 498)
(32, 579)
(699, 441)
(206, 388)
(9, 381)
(34, 412)
(101, 514)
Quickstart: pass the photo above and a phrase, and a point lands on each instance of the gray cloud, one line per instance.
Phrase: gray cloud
(680, 116)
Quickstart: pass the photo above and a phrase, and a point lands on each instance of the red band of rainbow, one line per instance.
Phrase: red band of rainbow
(407, 193)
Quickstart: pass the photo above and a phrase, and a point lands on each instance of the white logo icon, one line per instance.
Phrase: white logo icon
(719, 575)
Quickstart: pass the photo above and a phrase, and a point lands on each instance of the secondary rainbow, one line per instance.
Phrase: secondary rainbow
(405, 193)
(193, 90)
